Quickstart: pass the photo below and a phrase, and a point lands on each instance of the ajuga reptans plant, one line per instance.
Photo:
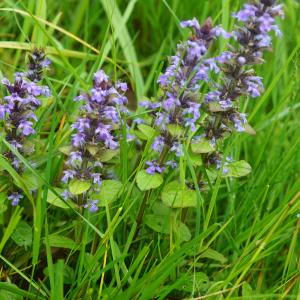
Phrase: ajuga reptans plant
(238, 78)
(177, 110)
(17, 110)
(184, 111)
(197, 108)
(95, 139)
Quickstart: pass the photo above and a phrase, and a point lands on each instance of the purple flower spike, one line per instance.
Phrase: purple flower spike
(18, 106)
(95, 133)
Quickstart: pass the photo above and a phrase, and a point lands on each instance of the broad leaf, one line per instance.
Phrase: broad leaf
(31, 181)
(22, 235)
(109, 191)
(237, 169)
(10, 295)
(61, 241)
(65, 149)
(175, 130)
(183, 232)
(173, 195)
(158, 223)
(147, 181)
(159, 209)
(202, 146)
(213, 254)
(78, 187)
(55, 200)
(93, 149)
(195, 158)
(106, 155)
(147, 131)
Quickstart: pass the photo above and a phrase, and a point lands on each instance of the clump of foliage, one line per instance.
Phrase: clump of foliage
(100, 200)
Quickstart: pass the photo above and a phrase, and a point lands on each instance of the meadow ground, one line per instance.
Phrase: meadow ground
(239, 242)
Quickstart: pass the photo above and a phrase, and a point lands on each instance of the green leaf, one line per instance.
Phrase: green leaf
(22, 235)
(147, 131)
(106, 155)
(109, 192)
(202, 146)
(3, 206)
(237, 169)
(78, 187)
(60, 241)
(160, 209)
(65, 149)
(173, 195)
(140, 135)
(8, 295)
(55, 200)
(213, 254)
(183, 232)
(215, 107)
(175, 130)
(195, 158)
(157, 223)
(147, 181)
(249, 129)
(93, 149)
(28, 147)
(31, 181)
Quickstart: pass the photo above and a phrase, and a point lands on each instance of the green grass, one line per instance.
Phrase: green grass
(244, 240)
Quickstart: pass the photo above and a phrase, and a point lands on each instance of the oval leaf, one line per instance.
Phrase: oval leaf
(157, 223)
(22, 235)
(215, 255)
(65, 149)
(173, 195)
(106, 155)
(202, 146)
(175, 130)
(147, 181)
(183, 232)
(146, 130)
(60, 241)
(78, 187)
(109, 191)
(31, 181)
(56, 201)
(237, 169)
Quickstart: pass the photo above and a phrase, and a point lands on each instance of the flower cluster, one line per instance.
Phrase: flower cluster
(17, 109)
(179, 107)
(238, 78)
(94, 134)
(38, 62)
